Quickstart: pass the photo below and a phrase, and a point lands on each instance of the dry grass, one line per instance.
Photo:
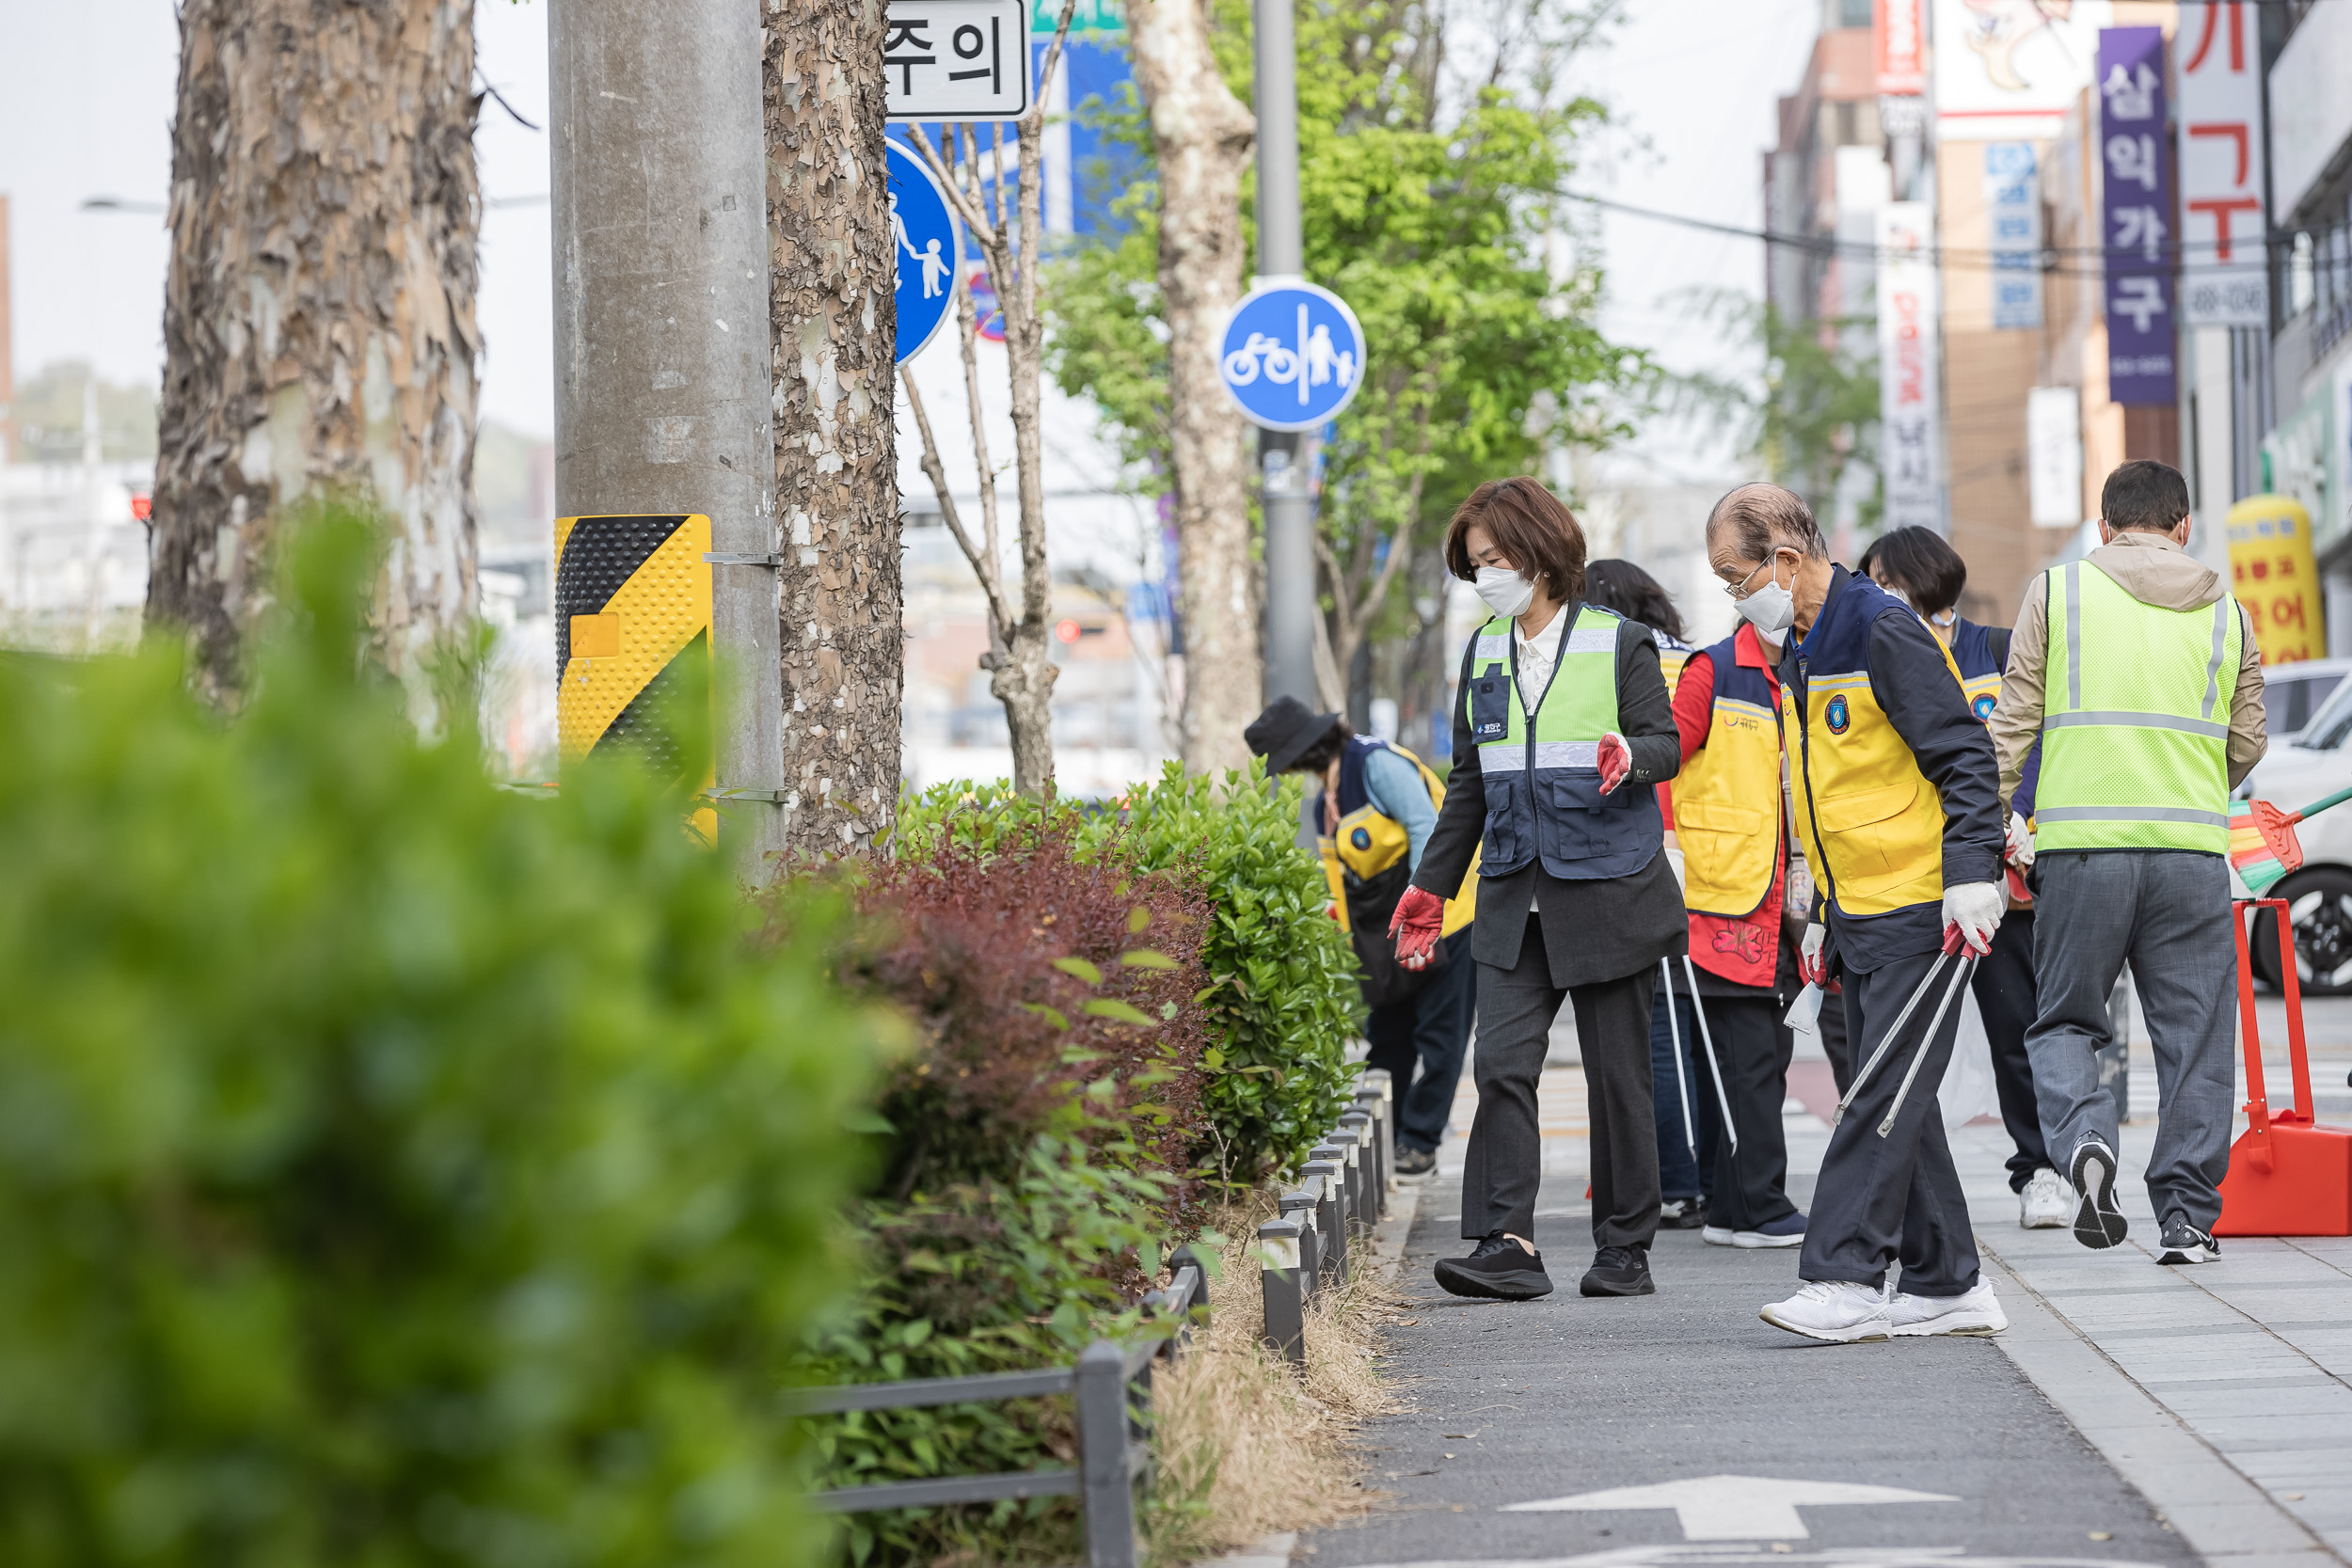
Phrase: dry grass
(1243, 1446)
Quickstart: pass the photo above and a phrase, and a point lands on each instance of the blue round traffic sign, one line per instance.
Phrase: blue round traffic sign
(928, 248)
(1292, 355)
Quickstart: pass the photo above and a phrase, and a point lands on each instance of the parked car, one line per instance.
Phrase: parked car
(2294, 693)
(2315, 764)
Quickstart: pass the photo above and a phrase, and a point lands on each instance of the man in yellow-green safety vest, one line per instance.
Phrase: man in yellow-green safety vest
(2140, 674)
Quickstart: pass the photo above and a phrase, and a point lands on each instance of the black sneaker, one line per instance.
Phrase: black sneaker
(2098, 1222)
(2185, 1244)
(1498, 1269)
(1414, 1161)
(1682, 1213)
(1619, 1271)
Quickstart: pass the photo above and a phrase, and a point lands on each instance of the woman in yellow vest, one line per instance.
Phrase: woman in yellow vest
(1562, 727)
(1898, 808)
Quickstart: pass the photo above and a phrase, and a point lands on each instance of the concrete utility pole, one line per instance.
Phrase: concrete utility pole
(662, 383)
(1286, 460)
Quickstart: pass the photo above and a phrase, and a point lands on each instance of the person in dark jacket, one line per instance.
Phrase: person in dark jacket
(1564, 726)
(1368, 823)
(1898, 808)
(1921, 569)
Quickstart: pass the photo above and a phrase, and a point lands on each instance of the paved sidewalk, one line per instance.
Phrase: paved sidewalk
(2131, 1414)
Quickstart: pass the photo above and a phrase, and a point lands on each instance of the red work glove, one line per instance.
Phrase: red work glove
(1419, 916)
(1617, 761)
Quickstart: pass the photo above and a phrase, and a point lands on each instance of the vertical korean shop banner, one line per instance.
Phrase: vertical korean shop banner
(2136, 210)
(1910, 398)
(2224, 279)
(2275, 575)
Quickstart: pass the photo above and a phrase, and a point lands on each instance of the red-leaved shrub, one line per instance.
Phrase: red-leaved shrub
(1037, 980)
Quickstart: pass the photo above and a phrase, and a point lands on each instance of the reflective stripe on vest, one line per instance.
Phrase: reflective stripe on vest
(1542, 775)
(2136, 731)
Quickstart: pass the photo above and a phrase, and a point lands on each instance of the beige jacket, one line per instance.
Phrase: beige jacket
(2155, 571)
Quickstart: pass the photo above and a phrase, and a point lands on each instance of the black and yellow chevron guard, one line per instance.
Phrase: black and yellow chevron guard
(632, 601)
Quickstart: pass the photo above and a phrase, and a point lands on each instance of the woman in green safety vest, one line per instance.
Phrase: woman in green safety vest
(1562, 729)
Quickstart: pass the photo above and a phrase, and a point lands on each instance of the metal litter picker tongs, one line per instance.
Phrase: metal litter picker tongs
(1953, 943)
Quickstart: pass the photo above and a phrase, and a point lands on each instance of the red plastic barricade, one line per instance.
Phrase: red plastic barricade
(2288, 1174)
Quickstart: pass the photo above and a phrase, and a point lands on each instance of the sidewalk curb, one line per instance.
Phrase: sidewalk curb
(2225, 1517)
(1395, 1227)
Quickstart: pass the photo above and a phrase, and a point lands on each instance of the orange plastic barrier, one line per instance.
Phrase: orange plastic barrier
(2288, 1174)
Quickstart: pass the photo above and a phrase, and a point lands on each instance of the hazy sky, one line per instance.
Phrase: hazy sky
(87, 89)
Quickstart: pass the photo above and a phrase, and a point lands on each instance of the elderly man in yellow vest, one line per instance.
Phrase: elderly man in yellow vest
(2138, 672)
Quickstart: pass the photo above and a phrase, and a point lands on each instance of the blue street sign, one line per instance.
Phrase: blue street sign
(928, 248)
(1292, 355)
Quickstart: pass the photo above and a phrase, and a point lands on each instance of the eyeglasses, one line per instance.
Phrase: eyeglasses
(1739, 590)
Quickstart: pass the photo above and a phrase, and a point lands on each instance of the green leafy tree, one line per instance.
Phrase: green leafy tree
(1430, 204)
(397, 1170)
(1811, 411)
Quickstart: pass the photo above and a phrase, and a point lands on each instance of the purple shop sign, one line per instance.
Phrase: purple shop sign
(2135, 141)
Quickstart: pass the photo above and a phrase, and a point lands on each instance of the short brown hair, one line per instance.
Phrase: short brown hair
(1528, 525)
(1765, 517)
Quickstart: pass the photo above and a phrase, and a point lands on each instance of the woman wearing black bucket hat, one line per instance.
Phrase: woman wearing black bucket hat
(1562, 726)
(1370, 821)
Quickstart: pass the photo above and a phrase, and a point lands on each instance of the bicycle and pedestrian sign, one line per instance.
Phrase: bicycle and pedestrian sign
(1292, 355)
(928, 248)
(955, 59)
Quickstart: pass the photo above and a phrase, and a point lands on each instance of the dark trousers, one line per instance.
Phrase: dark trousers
(1879, 1199)
(1431, 1028)
(1684, 1171)
(2167, 913)
(2005, 996)
(1503, 1166)
(1750, 1188)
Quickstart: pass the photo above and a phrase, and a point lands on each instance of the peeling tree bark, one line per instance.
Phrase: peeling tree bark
(319, 313)
(1201, 135)
(834, 320)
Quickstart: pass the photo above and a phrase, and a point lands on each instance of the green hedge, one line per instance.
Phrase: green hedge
(1284, 998)
(394, 1169)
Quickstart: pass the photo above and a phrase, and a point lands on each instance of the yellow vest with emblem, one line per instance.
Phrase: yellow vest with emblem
(1727, 796)
(1871, 823)
(1369, 842)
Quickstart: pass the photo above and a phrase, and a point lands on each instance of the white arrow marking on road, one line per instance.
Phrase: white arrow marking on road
(1733, 1507)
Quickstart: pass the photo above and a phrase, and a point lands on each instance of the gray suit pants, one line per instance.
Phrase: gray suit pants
(2167, 913)
(1502, 1166)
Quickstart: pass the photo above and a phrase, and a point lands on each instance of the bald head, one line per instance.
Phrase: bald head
(1755, 520)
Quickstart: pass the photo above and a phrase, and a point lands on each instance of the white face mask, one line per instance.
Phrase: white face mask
(1768, 607)
(1506, 592)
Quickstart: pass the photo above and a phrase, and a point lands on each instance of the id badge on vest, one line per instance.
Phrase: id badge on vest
(1489, 707)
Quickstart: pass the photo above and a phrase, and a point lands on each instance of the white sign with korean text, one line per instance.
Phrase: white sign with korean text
(957, 60)
(1910, 397)
(2054, 455)
(2224, 280)
(2012, 205)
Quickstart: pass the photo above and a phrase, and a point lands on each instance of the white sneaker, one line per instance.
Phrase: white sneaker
(1837, 1310)
(2046, 1202)
(1977, 1312)
(1716, 1235)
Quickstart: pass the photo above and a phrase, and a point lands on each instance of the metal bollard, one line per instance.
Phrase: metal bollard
(1300, 1205)
(1369, 1101)
(1107, 1489)
(1332, 1216)
(1350, 1135)
(1279, 1277)
(1384, 1081)
(1335, 1147)
(1357, 1126)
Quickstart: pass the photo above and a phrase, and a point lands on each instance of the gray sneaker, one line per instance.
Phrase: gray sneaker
(2098, 1222)
(2184, 1243)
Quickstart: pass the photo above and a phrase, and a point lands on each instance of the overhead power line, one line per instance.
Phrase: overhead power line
(2062, 260)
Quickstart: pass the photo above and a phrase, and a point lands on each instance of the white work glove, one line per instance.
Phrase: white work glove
(1974, 910)
(2020, 849)
(1810, 967)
